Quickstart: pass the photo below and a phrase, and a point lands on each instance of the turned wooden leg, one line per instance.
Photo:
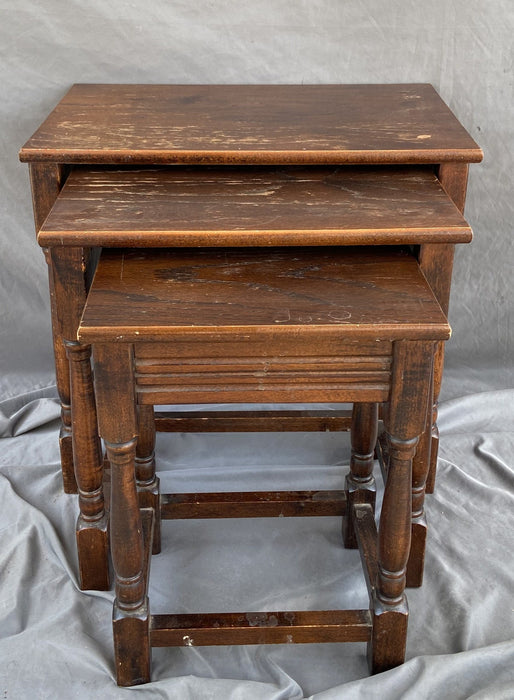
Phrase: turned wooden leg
(390, 614)
(131, 610)
(404, 421)
(420, 469)
(360, 483)
(91, 530)
(147, 481)
(117, 421)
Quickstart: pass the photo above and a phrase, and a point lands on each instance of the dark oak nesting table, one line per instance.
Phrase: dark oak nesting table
(168, 166)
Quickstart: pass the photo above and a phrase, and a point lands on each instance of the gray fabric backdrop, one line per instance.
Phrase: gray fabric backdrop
(465, 49)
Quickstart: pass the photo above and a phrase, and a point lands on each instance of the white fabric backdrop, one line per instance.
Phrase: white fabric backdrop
(54, 640)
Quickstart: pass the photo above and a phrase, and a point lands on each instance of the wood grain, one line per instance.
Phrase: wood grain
(290, 627)
(367, 538)
(263, 504)
(251, 124)
(46, 180)
(253, 421)
(367, 293)
(223, 206)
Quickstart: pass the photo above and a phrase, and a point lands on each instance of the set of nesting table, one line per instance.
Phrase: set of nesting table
(262, 244)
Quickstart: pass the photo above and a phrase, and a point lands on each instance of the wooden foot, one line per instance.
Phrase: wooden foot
(132, 652)
(360, 483)
(387, 646)
(93, 548)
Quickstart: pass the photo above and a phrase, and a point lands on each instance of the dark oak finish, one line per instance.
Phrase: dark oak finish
(129, 548)
(263, 504)
(156, 124)
(91, 529)
(220, 321)
(46, 180)
(147, 481)
(194, 294)
(360, 483)
(188, 373)
(404, 422)
(69, 292)
(253, 206)
(131, 628)
(421, 464)
(290, 627)
(367, 540)
(437, 265)
(302, 144)
(316, 420)
(251, 124)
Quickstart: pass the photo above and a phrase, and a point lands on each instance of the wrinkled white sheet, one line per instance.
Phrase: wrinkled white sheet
(55, 641)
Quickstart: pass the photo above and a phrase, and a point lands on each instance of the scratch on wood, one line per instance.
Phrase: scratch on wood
(287, 312)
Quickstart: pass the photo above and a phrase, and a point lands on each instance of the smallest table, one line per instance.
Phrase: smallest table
(239, 325)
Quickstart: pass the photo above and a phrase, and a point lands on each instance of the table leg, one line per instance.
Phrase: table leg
(404, 421)
(46, 180)
(62, 376)
(69, 288)
(92, 525)
(131, 617)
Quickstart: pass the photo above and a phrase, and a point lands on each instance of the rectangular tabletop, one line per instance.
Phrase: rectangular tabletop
(251, 124)
(253, 205)
(366, 293)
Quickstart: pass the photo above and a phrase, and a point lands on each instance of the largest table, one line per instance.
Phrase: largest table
(139, 127)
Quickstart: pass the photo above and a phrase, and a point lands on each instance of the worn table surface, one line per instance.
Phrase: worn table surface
(253, 205)
(251, 124)
(160, 293)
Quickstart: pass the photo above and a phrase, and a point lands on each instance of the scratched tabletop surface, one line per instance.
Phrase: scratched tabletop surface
(222, 205)
(407, 123)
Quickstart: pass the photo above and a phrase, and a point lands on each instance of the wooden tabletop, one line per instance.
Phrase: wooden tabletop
(366, 293)
(253, 205)
(251, 124)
